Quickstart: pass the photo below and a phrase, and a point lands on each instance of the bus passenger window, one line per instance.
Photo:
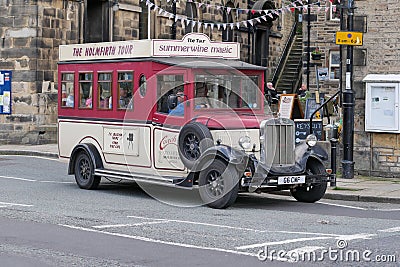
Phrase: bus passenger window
(85, 90)
(67, 90)
(125, 90)
(104, 91)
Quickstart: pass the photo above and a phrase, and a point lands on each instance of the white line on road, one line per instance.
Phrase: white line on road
(287, 241)
(354, 207)
(128, 224)
(17, 178)
(343, 206)
(15, 204)
(160, 241)
(32, 180)
(390, 230)
(355, 236)
(234, 227)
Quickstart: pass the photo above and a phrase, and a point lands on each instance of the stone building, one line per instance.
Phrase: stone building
(375, 152)
(32, 30)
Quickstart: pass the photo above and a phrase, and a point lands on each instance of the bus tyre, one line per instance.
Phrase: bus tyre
(194, 138)
(313, 192)
(218, 184)
(84, 172)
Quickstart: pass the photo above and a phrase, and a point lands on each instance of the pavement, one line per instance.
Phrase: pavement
(359, 188)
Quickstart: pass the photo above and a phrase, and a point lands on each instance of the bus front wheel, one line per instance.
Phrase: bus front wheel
(218, 184)
(84, 172)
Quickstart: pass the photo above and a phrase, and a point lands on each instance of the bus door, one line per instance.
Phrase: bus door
(167, 122)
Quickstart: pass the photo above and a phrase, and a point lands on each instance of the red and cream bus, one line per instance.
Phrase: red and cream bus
(182, 113)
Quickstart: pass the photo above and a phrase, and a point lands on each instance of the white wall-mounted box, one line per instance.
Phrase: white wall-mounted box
(382, 103)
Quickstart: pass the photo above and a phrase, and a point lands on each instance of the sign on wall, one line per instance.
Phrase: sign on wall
(5, 92)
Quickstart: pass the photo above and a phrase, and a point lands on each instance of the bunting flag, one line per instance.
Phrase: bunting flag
(297, 4)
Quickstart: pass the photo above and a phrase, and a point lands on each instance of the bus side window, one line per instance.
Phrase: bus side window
(67, 90)
(125, 90)
(166, 85)
(85, 90)
(104, 91)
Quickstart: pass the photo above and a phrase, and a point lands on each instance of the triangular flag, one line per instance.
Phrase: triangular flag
(238, 25)
(258, 20)
(264, 18)
(224, 26)
(218, 26)
(228, 9)
(232, 24)
(251, 22)
(160, 11)
(205, 26)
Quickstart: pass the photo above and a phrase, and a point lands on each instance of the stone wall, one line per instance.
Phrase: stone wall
(31, 32)
(381, 44)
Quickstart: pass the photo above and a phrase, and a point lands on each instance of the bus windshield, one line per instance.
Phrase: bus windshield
(227, 91)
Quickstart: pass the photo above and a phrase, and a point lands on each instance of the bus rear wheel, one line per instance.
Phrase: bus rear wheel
(84, 172)
(218, 184)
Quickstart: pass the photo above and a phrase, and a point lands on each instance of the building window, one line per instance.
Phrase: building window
(191, 13)
(85, 90)
(104, 93)
(125, 90)
(334, 10)
(97, 22)
(334, 65)
(67, 90)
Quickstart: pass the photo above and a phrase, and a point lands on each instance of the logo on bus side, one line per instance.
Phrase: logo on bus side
(166, 141)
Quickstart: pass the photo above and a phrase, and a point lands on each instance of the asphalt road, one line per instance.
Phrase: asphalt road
(46, 220)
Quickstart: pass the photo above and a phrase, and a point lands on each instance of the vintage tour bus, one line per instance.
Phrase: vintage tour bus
(180, 113)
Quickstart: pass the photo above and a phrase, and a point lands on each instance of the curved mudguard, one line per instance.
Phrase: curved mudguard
(91, 150)
(232, 156)
(303, 152)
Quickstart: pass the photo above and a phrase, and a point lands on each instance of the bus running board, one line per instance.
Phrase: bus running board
(142, 177)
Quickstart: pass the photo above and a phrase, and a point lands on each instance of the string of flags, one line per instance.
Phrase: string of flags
(264, 15)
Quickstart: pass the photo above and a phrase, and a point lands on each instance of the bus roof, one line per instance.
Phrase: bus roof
(184, 62)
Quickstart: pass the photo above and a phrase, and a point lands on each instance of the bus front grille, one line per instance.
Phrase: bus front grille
(279, 142)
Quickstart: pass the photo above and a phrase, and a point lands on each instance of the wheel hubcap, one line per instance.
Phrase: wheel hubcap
(215, 185)
(191, 148)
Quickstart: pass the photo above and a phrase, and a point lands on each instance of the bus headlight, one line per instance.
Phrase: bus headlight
(245, 142)
(311, 140)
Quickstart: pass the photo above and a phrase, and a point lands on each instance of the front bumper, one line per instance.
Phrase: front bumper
(272, 181)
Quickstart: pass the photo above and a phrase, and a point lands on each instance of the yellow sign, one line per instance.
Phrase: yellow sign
(349, 38)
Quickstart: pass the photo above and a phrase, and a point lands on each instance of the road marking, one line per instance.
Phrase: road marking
(32, 180)
(343, 206)
(56, 182)
(200, 223)
(355, 236)
(234, 227)
(7, 204)
(17, 178)
(159, 241)
(354, 207)
(287, 241)
(390, 230)
(127, 225)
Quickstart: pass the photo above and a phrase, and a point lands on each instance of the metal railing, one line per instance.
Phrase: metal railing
(285, 54)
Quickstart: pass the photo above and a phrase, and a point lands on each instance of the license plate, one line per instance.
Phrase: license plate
(292, 179)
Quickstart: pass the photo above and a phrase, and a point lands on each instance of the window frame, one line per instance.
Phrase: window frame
(65, 89)
(99, 82)
(130, 105)
(80, 81)
(334, 5)
(333, 65)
